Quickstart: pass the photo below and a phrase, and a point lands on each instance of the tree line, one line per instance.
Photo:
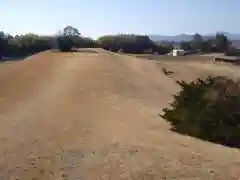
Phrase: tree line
(70, 37)
(219, 43)
(28, 44)
(23, 45)
(127, 43)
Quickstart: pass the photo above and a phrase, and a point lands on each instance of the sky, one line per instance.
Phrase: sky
(94, 18)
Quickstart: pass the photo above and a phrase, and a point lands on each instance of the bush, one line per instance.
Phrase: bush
(209, 109)
(65, 43)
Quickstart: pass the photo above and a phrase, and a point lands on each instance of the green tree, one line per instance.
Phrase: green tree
(207, 46)
(185, 45)
(71, 31)
(197, 42)
(3, 43)
(70, 37)
(222, 43)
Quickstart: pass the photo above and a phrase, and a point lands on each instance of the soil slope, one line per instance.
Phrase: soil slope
(94, 115)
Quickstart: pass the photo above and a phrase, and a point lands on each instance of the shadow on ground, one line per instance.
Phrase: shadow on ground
(78, 50)
(87, 51)
(6, 59)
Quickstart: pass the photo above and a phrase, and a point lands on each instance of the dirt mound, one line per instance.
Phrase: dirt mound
(94, 115)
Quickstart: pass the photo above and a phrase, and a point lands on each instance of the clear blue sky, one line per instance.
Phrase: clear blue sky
(98, 17)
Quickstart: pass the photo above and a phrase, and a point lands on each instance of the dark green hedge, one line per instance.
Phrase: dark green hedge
(209, 109)
(136, 44)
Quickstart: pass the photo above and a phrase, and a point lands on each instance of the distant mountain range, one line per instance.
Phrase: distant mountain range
(188, 37)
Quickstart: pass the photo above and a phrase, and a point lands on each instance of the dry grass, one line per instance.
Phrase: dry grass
(94, 116)
(176, 58)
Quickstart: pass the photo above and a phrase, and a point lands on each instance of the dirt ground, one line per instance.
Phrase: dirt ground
(94, 115)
